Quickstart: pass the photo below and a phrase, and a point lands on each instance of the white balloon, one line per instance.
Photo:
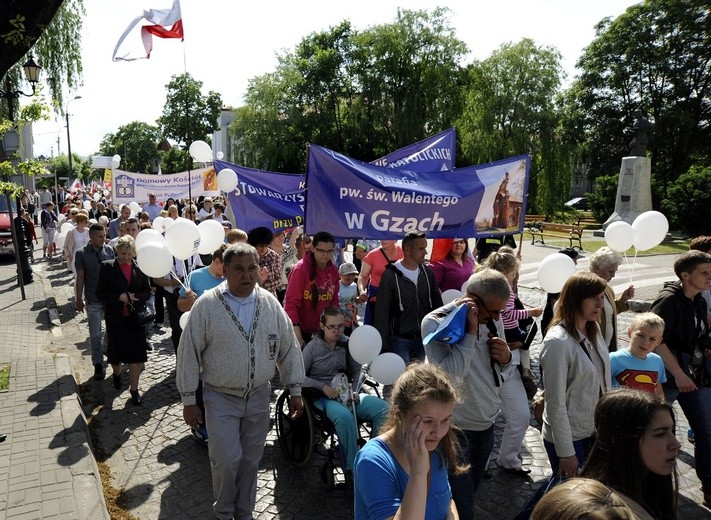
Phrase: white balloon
(365, 343)
(154, 259)
(450, 295)
(554, 271)
(619, 236)
(183, 238)
(87, 204)
(158, 224)
(115, 161)
(66, 228)
(220, 155)
(59, 240)
(106, 193)
(386, 368)
(184, 319)
(97, 196)
(167, 222)
(650, 230)
(146, 236)
(200, 151)
(227, 180)
(212, 236)
(61, 218)
(135, 207)
(464, 286)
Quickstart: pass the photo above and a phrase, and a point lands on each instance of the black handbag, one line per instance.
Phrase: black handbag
(141, 314)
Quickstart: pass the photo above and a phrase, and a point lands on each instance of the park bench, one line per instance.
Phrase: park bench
(588, 221)
(547, 229)
(533, 220)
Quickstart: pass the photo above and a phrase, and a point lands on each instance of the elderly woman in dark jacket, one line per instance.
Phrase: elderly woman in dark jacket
(123, 288)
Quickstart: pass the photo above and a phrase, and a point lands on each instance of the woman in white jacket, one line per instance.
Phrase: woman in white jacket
(575, 365)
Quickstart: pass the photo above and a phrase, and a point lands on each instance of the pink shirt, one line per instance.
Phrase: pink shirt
(450, 275)
(377, 262)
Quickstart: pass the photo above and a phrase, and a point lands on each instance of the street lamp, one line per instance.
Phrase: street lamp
(22, 252)
(69, 142)
(32, 72)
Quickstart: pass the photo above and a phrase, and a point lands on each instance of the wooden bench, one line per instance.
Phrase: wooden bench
(548, 229)
(533, 220)
(588, 221)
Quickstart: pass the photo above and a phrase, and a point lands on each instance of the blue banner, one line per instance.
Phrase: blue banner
(264, 198)
(433, 154)
(347, 197)
(276, 200)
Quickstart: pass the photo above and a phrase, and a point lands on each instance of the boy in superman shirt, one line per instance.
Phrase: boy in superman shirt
(638, 366)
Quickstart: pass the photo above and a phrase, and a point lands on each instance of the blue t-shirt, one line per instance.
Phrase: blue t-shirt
(201, 280)
(642, 374)
(380, 484)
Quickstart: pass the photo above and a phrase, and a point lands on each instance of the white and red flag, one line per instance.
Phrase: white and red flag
(165, 23)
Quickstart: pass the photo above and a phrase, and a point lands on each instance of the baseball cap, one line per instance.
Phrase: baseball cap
(452, 328)
(571, 252)
(362, 245)
(347, 268)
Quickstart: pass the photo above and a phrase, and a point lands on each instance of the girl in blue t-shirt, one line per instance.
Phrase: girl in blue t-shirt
(405, 469)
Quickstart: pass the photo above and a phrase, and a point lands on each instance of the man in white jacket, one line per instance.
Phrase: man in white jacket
(236, 335)
(475, 359)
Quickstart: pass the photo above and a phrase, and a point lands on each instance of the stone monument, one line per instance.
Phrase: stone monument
(634, 190)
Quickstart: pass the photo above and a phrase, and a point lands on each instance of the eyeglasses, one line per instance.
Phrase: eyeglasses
(493, 314)
(323, 251)
(333, 328)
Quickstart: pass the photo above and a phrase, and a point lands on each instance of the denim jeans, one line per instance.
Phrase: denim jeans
(581, 447)
(476, 449)
(697, 408)
(408, 349)
(94, 315)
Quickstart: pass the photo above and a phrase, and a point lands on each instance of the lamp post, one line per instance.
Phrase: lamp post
(69, 141)
(22, 252)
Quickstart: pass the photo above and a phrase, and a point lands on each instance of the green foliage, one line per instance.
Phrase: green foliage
(654, 57)
(174, 160)
(188, 115)
(362, 93)
(688, 201)
(52, 38)
(80, 169)
(10, 188)
(511, 110)
(136, 143)
(602, 198)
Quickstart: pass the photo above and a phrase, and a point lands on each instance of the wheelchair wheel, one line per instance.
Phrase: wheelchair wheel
(296, 436)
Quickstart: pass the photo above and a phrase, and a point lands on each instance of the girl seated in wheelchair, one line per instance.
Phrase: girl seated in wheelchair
(403, 472)
(330, 368)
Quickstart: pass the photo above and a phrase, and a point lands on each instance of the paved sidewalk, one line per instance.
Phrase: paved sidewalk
(47, 469)
(161, 472)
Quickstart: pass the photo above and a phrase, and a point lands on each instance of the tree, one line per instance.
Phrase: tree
(173, 160)
(136, 143)
(188, 115)
(655, 58)
(50, 31)
(362, 93)
(688, 198)
(511, 110)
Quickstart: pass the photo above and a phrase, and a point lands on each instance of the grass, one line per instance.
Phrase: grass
(5, 377)
(590, 245)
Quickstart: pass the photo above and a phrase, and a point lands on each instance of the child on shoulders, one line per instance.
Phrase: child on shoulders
(638, 366)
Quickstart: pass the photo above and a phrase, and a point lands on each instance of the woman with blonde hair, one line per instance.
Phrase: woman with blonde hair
(76, 239)
(403, 472)
(587, 499)
(124, 289)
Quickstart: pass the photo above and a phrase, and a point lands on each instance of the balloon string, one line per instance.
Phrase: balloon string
(179, 281)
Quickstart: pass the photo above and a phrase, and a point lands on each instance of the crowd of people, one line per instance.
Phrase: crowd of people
(287, 300)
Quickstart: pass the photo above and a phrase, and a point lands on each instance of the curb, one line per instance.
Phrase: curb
(86, 479)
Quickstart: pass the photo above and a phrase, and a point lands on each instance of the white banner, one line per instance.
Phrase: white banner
(128, 187)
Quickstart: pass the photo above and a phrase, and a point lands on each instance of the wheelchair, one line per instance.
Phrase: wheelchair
(314, 432)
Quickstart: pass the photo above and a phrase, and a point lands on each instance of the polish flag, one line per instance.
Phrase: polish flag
(166, 23)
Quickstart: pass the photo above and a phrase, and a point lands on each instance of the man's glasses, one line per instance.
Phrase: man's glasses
(334, 328)
(493, 314)
(323, 251)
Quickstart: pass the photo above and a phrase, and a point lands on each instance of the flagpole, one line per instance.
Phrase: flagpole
(187, 130)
